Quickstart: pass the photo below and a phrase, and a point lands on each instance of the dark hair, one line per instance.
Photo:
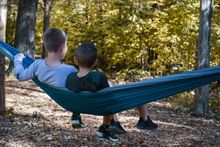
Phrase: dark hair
(53, 38)
(86, 54)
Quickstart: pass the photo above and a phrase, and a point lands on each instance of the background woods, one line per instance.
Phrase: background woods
(161, 35)
(136, 39)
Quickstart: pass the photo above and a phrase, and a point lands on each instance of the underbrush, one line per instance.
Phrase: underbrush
(184, 102)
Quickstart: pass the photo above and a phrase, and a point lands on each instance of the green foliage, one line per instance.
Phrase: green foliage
(132, 35)
(145, 37)
(11, 21)
(215, 46)
(214, 101)
(183, 102)
(142, 36)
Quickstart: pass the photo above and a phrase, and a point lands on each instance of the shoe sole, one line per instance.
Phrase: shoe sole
(100, 135)
(78, 126)
(147, 129)
(115, 130)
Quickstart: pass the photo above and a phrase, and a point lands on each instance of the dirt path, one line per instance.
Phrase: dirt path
(38, 121)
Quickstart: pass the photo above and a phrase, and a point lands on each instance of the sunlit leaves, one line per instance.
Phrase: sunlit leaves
(135, 34)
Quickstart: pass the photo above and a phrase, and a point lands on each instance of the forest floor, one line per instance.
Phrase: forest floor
(33, 119)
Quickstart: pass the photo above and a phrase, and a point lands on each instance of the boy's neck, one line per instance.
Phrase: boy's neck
(53, 59)
(83, 71)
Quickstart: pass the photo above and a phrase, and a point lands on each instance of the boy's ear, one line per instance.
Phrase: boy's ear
(75, 61)
(96, 62)
(61, 48)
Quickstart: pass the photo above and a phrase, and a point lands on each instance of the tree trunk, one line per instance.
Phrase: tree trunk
(10, 29)
(203, 55)
(3, 17)
(47, 12)
(25, 27)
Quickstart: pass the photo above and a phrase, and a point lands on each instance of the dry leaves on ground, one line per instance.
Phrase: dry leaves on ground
(36, 120)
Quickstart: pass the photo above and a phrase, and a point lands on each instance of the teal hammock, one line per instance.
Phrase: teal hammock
(122, 97)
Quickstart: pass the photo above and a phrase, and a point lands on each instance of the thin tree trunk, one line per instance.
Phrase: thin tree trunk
(203, 55)
(3, 17)
(25, 27)
(47, 13)
(10, 29)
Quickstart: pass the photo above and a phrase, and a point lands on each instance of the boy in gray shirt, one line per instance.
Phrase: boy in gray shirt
(51, 70)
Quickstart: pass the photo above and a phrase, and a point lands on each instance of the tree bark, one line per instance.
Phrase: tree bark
(203, 55)
(25, 27)
(3, 17)
(47, 13)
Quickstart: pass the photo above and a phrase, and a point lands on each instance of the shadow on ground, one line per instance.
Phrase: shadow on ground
(38, 121)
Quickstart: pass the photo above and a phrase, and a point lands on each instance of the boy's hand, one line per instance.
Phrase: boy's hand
(20, 56)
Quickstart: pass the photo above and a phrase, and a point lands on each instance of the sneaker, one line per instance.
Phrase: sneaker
(146, 124)
(103, 132)
(76, 121)
(116, 128)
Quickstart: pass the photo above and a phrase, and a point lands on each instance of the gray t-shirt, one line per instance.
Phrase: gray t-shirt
(52, 76)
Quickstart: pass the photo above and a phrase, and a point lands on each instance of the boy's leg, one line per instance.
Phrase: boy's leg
(142, 112)
(76, 121)
(144, 121)
(107, 119)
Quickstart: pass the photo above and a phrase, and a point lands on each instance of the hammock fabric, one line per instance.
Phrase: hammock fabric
(122, 97)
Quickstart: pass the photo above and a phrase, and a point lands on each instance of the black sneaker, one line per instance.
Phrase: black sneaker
(76, 121)
(147, 124)
(103, 132)
(116, 128)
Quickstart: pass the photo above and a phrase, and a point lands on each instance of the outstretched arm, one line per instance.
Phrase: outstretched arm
(21, 73)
